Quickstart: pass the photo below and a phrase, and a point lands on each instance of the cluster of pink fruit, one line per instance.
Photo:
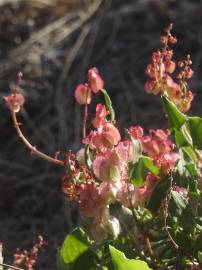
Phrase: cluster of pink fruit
(99, 174)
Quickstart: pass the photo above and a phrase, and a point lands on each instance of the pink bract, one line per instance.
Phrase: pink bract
(96, 83)
(106, 137)
(136, 132)
(100, 117)
(90, 200)
(82, 94)
(15, 101)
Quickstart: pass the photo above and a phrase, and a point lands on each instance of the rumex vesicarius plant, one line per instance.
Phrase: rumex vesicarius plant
(139, 196)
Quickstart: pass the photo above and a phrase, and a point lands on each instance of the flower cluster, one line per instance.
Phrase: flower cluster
(27, 259)
(106, 135)
(83, 92)
(15, 100)
(161, 69)
(160, 148)
(107, 179)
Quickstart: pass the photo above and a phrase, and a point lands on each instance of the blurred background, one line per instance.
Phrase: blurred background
(54, 43)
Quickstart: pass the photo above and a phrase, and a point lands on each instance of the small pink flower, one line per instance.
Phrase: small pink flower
(151, 147)
(108, 191)
(136, 132)
(15, 101)
(105, 170)
(96, 83)
(166, 162)
(181, 190)
(125, 151)
(170, 66)
(82, 94)
(152, 87)
(156, 143)
(156, 57)
(106, 137)
(158, 134)
(90, 200)
(189, 73)
(186, 102)
(80, 157)
(110, 135)
(100, 117)
(92, 140)
(129, 195)
(151, 71)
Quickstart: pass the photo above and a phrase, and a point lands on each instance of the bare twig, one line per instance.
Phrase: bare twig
(11, 266)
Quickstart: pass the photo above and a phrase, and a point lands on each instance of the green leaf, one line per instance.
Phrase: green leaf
(108, 104)
(191, 168)
(180, 201)
(148, 162)
(180, 140)
(86, 261)
(125, 215)
(61, 264)
(137, 173)
(175, 117)
(158, 194)
(195, 126)
(189, 153)
(198, 244)
(120, 262)
(186, 165)
(74, 245)
(143, 215)
(200, 256)
(139, 170)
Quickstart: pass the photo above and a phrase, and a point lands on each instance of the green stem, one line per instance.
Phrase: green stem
(108, 104)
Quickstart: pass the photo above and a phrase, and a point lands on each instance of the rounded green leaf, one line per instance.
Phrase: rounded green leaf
(139, 170)
(120, 262)
(74, 245)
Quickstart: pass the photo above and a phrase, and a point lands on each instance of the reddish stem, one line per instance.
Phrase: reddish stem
(31, 147)
(85, 114)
